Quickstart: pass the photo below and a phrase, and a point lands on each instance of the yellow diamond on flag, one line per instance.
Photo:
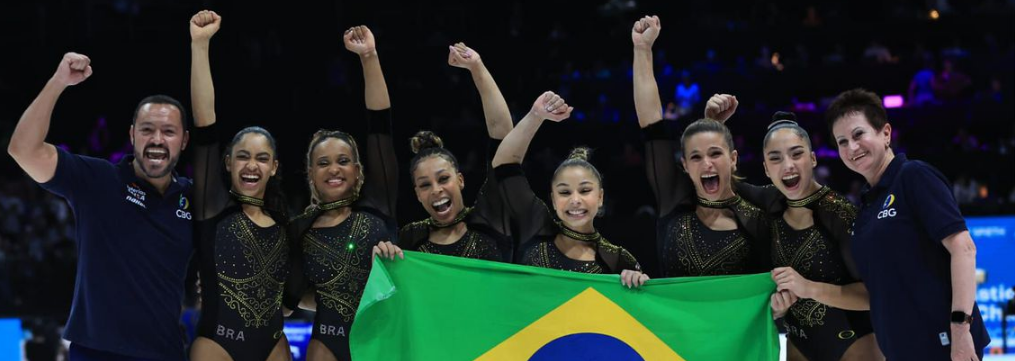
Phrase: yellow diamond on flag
(588, 323)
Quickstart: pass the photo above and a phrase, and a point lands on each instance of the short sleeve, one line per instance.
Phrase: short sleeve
(76, 174)
(929, 197)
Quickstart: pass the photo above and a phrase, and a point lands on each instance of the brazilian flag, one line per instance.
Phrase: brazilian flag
(431, 307)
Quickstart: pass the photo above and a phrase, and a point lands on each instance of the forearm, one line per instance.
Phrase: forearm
(495, 108)
(963, 270)
(852, 297)
(202, 88)
(646, 91)
(375, 88)
(30, 134)
(516, 143)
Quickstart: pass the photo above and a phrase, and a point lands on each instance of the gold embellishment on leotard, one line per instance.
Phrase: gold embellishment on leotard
(553, 258)
(575, 235)
(720, 204)
(246, 199)
(605, 246)
(806, 201)
(840, 206)
(748, 210)
(693, 254)
(258, 297)
(345, 260)
(847, 334)
(809, 312)
(467, 246)
(801, 257)
(339, 203)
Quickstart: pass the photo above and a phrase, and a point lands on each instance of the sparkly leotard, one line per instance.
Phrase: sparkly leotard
(243, 266)
(335, 261)
(487, 226)
(687, 247)
(537, 231)
(820, 253)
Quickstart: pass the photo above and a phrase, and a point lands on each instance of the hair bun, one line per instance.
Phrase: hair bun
(780, 118)
(425, 139)
(580, 153)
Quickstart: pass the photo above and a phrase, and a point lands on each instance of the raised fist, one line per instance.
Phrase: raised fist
(721, 107)
(359, 40)
(73, 69)
(203, 25)
(645, 31)
(463, 56)
(551, 106)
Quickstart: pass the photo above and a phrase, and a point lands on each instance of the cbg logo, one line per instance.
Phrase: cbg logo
(184, 205)
(885, 211)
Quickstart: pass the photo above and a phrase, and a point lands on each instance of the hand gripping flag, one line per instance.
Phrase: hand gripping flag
(431, 307)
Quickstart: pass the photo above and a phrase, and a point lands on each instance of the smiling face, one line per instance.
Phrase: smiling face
(251, 162)
(438, 186)
(334, 170)
(158, 139)
(577, 196)
(710, 164)
(789, 163)
(862, 148)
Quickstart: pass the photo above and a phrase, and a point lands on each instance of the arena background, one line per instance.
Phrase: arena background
(283, 66)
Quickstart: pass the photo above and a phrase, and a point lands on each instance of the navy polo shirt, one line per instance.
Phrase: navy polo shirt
(907, 270)
(133, 248)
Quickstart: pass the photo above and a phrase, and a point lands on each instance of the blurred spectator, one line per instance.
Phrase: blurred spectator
(875, 53)
(670, 113)
(994, 94)
(811, 17)
(764, 59)
(836, 57)
(954, 50)
(965, 189)
(687, 95)
(965, 142)
(710, 65)
(921, 88)
(950, 83)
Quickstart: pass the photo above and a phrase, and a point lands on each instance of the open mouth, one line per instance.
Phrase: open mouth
(710, 183)
(442, 206)
(335, 182)
(791, 181)
(576, 213)
(858, 156)
(156, 155)
(249, 180)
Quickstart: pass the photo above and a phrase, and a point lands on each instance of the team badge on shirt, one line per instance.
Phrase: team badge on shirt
(184, 206)
(887, 212)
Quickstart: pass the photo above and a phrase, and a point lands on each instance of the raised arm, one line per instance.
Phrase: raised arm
(665, 178)
(495, 109)
(721, 107)
(528, 211)
(360, 40)
(548, 106)
(28, 144)
(209, 190)
(380, 163)
(203, 26)
(646, 91)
